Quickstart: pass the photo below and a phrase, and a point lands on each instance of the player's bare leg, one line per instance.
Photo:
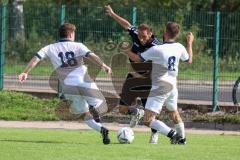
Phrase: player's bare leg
(151, 121)
(123, 109)
(136, 113)
(154, 135)
(179, 126)
(98, 111)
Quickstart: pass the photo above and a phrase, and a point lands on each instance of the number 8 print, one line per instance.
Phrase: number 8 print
(171, 63)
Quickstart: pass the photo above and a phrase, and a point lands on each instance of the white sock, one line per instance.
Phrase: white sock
(93, 124)
(180, 129)
(160, 126)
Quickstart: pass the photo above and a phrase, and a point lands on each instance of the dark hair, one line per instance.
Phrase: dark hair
(144, 26)
(173, 29)
(66, 29)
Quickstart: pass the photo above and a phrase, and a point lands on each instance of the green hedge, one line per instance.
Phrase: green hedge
(21, 106)
(227, 118)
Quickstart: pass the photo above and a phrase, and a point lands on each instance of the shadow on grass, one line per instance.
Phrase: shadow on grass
(37, 141)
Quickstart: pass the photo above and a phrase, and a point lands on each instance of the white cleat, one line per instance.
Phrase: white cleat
(154, 138)
(135, 118)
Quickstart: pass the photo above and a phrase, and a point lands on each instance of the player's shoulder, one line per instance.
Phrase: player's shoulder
(173, 44)
(155, 48)
(156, 41)
(179, 45)
(78, 43)
(133, 29)
(71, 43)
(46, 47)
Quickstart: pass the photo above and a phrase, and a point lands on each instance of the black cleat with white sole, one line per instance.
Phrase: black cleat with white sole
(182, 141)
(105, 137)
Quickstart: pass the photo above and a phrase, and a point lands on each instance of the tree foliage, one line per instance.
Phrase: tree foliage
(207, 5)
(94, 27)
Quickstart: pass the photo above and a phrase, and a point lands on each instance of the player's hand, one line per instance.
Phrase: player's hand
(22, 77)
(190, 38)
(107, 69)
(109, 10)
(125, 46)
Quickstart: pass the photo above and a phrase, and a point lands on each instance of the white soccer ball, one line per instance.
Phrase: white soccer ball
(125, 135)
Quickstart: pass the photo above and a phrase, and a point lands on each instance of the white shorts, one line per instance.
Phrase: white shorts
(155, 103)
(81, 91)
(80, 104)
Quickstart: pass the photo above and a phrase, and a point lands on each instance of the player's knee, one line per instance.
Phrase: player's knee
(102, 108)
(146, 122)
(175, 117)
(149, 116)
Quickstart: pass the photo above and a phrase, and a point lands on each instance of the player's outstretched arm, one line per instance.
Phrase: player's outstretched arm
(134, 57)
(126, 47)
(93, 57)
(123, 22)
(33, 62)
(190, 39)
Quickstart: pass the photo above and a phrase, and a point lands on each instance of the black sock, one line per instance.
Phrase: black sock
(171, 133)
(95, 114)
(154, 130)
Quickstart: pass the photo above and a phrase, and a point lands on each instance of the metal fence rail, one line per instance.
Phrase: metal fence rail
(37, 26)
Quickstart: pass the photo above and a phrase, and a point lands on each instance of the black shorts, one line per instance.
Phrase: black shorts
(133, 88)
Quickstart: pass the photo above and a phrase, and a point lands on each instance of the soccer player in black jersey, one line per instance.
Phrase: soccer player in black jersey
(138, 82)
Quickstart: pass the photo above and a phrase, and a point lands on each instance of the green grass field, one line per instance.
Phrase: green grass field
(46, 144)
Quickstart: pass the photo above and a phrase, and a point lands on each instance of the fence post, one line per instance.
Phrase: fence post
(134, 16)
(62, 20)
(3, 43)
(215, 57)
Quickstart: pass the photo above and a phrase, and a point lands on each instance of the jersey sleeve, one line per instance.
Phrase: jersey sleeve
(42, 53)
(184, 56)
(83, 50)
(132, 30)
(150, 54)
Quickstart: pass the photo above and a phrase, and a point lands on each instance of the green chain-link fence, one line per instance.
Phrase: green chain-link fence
(3, 42)
(37, 26)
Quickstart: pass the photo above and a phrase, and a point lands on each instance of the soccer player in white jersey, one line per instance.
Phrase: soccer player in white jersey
(67, 59)
(166, 56)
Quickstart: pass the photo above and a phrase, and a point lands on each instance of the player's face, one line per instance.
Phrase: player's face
(144, 36)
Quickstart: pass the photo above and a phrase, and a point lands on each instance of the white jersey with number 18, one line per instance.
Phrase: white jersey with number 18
(67, 59)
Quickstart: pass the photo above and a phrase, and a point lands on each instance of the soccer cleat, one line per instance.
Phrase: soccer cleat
(105, 137)
(135, 118)
(182, 141)
(176, 139)
(173, 137)
(154, 138)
